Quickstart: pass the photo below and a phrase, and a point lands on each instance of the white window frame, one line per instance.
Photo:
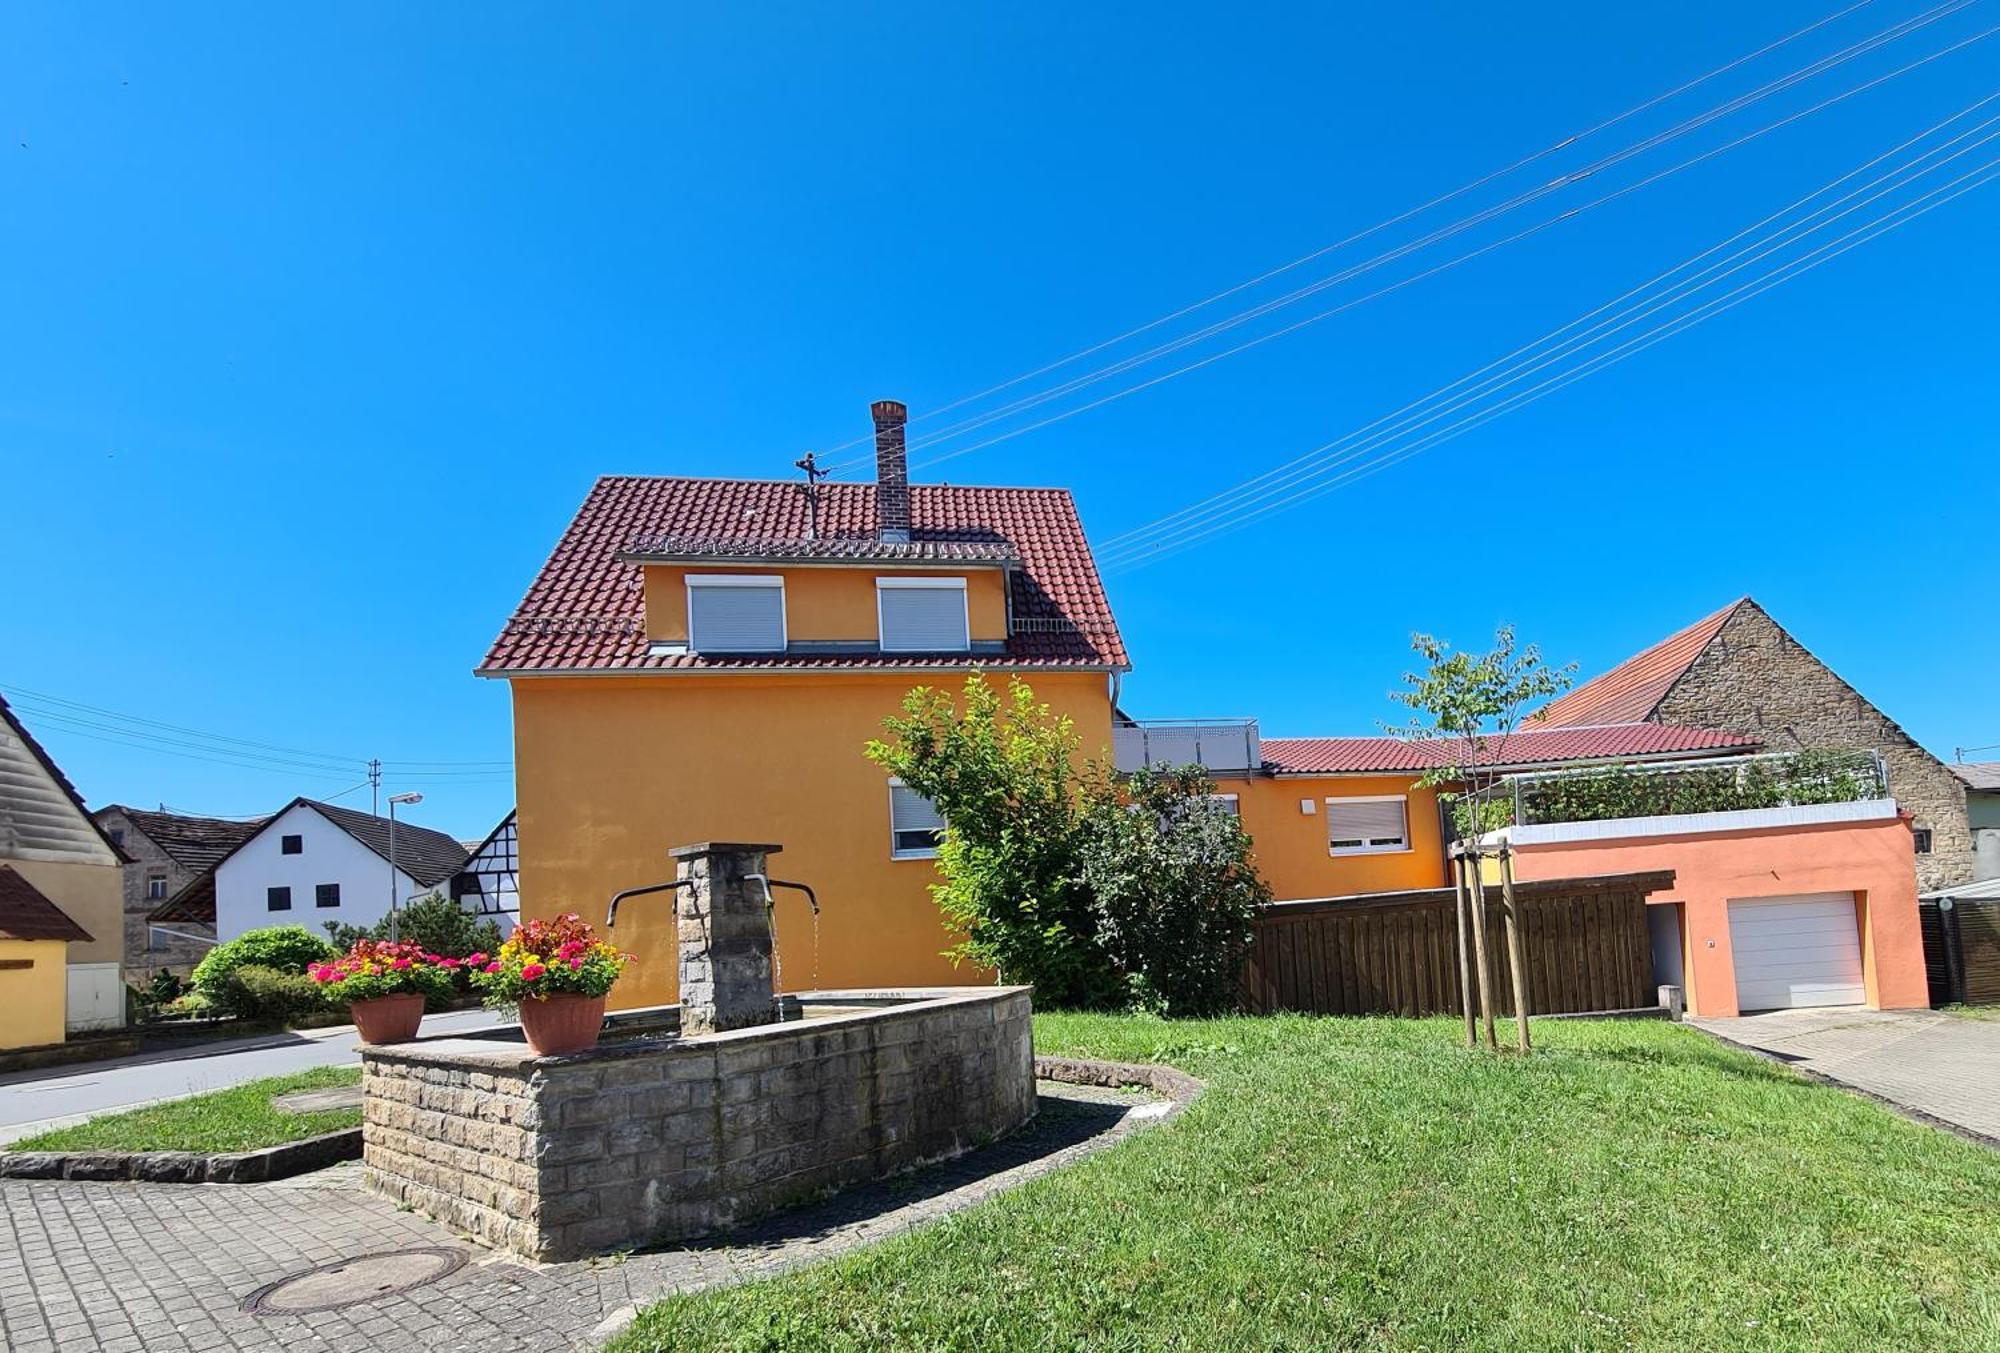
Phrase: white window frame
(1365, 849)
(922, 584)
(1235, 803)
(765, 580)
(926, 852)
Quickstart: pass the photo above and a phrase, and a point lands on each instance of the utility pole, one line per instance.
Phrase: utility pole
(375, 788)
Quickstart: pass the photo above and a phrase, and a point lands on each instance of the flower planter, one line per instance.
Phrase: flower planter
(388, 1019)
(563, 1021)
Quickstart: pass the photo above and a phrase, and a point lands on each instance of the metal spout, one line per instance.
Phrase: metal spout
(611, 914)
(812, 898)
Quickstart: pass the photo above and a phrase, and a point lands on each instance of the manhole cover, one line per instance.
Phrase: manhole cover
(350, 1282)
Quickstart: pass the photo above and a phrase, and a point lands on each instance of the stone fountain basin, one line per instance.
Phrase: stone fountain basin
(651, 1137)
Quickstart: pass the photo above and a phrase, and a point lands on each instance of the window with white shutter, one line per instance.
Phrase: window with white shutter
(1369, 826)
(915, 827)
(736, 613)
(922, 615)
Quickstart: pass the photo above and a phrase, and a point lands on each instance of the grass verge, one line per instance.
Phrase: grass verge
(1370, 1183)
(237, 1119)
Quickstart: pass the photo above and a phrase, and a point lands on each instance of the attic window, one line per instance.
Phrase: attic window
(736, 613)
(922, 615)
(1367, 826)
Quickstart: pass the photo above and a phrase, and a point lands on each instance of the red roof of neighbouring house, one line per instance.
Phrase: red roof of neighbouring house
(25, 914)
(585, 611)
(1632, 691)
(1523, 747)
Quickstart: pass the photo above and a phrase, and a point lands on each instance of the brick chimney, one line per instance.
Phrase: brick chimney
(892, 472)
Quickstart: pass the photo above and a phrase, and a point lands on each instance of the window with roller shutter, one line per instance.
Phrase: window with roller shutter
(736, 613)
(915, 826)
(922, 615)
(1367, 826)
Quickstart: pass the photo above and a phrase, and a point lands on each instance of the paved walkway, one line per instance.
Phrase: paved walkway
(35, 1101)
(162, 1268)
(1944, 1066)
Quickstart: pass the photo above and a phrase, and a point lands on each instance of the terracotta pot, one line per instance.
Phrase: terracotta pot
(562, 1022)
(388, 1019)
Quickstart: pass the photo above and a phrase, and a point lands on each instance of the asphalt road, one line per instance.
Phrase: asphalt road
(33, 1101)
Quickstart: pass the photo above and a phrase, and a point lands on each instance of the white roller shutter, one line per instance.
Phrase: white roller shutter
(915, 825)
(731, 613)
(1367, 826)
(1796, 951)
(922, 615)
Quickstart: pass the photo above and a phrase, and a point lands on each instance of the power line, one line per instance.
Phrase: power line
(176, 728)
(1812, 69)
(1371, 264)
(1891, 220)
(1274, 480)
(1379, 226)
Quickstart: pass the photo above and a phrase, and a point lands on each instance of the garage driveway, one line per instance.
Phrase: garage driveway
(1943, 1066)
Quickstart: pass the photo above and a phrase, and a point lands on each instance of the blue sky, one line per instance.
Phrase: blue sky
(320, 324)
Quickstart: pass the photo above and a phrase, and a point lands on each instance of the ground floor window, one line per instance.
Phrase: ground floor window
(1377, 825)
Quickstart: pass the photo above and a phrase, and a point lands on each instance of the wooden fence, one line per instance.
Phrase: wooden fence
(1586, 942)
(1962, 951)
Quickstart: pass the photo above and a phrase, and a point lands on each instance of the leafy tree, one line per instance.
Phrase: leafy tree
(1468, 705)
(1173, 891)
(284, 948)
(1003, 775)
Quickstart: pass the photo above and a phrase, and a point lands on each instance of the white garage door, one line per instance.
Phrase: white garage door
(1796, 951)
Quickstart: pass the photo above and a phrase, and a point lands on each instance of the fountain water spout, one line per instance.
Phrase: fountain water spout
(674, 885)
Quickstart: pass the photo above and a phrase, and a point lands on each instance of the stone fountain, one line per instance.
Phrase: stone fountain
(687, 1119)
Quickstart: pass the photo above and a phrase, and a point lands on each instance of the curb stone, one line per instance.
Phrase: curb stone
(187, 1167)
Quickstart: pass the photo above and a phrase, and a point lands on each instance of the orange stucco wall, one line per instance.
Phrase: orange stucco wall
(1876, 861)
(825, 603)
(1291, 846)
(614, 770)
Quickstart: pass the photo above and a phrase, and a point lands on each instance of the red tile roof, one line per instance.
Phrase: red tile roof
(585, 611)
(26, 914)
(1531, 747)
(1632, 690)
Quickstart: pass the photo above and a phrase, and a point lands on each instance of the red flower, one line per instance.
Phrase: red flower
(531, 971)
(494, 966)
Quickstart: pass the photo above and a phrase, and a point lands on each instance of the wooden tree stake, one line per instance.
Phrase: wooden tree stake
(1515, 958)
(1464, 949)
(1481, 955)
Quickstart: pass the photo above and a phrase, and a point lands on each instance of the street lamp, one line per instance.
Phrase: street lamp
(395, 921)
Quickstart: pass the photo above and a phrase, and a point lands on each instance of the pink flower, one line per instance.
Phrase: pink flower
(531, 971)
(494, 966)
(575, 964)
(475, 959)
(400, 964)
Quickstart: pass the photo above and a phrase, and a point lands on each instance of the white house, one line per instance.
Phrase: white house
(314, 862)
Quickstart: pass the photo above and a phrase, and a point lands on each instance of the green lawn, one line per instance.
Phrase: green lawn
(237, 1119)
(1370, 1183)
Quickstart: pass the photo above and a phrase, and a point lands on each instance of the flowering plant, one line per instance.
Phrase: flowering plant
(545, 958)
(374, 968)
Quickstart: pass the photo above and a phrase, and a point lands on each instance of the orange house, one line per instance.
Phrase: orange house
(704, 659)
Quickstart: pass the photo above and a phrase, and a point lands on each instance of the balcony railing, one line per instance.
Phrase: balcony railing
(1214, 744)
(1722, 785)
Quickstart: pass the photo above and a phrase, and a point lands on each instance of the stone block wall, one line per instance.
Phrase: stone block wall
(1757, 679)
(146, 953)
(657, 1140)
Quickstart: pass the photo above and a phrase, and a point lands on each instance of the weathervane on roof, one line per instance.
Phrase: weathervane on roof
(811, 490)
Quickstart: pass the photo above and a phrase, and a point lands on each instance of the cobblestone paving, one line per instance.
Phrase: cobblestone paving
(164, 1268)
(1944, 1066)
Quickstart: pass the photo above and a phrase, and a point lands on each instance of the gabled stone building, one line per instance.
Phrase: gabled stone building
(164, 853)
(1739, 670)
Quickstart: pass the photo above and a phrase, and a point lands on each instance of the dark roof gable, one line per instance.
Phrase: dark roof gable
(26, 914)
(192, 842)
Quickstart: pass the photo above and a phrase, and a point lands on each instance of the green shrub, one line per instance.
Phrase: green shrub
(283, 948)
(267, 995)
(1173, 890)
(440, 925)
